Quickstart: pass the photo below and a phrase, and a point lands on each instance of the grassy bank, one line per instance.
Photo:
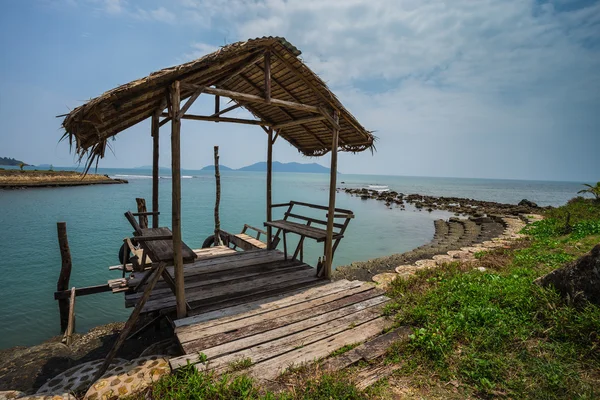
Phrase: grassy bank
(28, 178)
(478, 332)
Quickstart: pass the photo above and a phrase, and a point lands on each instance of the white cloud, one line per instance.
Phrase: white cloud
(160, 14)
(113, 6)
(199, 50)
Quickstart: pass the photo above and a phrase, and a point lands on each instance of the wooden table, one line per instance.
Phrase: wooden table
(162, 250)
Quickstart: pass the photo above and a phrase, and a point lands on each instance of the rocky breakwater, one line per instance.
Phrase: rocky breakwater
(458, 205)
(488, 225)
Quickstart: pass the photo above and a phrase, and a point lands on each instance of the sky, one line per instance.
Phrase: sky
(505, 89)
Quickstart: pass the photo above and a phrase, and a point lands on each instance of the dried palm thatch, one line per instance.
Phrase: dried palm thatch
(237, 67)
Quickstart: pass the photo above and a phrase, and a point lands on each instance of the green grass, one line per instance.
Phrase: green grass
(188, 383)
(496, 331)
(240, 364)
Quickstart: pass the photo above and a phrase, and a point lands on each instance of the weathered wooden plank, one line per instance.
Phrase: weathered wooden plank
(65, 294)
(238, 289)
(301, 229)
(371, 374)
(273, 367)
(265, 305)
(243, 275)
(367, 351)
(191, 332)
(261, 293)
(225, 263)
(276, 342)
(212, 337)
(65, 273)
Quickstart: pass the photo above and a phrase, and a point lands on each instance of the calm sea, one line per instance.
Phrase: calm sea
(30, 259)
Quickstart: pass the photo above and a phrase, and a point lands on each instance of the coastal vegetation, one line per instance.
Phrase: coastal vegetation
(25, 178)
(593, 190)
(481, 329)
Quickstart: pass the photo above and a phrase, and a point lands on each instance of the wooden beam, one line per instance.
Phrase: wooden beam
(68, 338)
(226, 110)
(242, 69)
(269, 182)
(268, 76)
(257, 99)
(164, 121)
(142, 212)
(65, 273)
(332, 192)
(217, 104)
(176, 199)
(131, 321)
(84, 291)
(225, 119)
(327, 100)
(299, 121)
(306, 129)
(155, 168)
(291, 95)
(330, 119)
(218, 241)
(189, 102)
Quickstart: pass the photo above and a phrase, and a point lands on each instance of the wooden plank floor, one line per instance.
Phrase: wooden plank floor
(222, 278)
(274, 333)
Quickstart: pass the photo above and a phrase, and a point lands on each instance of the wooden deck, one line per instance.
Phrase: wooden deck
(274, 333)
(221, 277)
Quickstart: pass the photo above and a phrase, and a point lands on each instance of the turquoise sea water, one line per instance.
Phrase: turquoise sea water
(30, 259)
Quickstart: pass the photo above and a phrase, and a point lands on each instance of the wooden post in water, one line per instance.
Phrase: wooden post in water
(332, 187)
(141, 207)
(68, 339)
(65, 273)
(269, 182)
(155, 172)
(218, 241)
(176, 199)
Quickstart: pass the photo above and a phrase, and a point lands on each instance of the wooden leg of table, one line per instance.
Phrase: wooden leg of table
(284, 246)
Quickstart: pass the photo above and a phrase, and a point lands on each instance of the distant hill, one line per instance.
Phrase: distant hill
(221, 168)
(287, 167)
(10, 161)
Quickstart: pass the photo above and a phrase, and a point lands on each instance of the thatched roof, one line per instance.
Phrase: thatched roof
(236, 67)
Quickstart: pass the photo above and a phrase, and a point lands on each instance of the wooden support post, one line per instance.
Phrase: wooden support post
(217, 105)
(141, 207)
(155, 168)
(65, 273)
(332, 187)
(176, 199)
(68, 338)
(269, 183)
(268, 76)
(157, 272)
(218, 241)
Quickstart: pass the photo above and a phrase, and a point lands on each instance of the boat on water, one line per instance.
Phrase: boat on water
(378, 188)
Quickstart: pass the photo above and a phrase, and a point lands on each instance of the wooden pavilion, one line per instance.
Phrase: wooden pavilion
(264, 76)
(267, 78)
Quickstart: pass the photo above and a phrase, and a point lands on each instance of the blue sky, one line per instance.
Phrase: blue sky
(464, 88)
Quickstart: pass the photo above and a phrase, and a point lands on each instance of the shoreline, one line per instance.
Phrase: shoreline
(17, 179)
(27, 367)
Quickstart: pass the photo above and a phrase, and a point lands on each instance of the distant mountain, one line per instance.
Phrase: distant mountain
(10, 161)
(287, 167)
(212, 168)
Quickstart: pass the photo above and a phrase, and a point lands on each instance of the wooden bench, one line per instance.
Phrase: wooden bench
(305, 228)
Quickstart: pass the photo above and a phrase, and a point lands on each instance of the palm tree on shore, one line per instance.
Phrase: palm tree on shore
(594, 190)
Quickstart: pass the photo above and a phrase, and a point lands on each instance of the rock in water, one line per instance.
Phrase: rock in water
(578, 280)
(527, 203)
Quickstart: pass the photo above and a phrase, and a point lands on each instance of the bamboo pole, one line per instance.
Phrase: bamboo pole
(155, 168)
(176, 199)
(65, 273)
(218, 241)
(269, 183)
(332, 187)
